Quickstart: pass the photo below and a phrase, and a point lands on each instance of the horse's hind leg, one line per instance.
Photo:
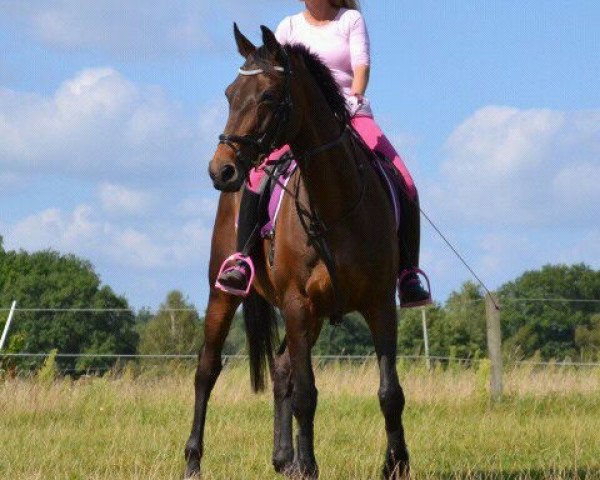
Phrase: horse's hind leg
(220, 311)
(283, 447)
(383, 324)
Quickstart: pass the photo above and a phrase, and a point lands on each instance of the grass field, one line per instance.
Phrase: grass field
(134, 427)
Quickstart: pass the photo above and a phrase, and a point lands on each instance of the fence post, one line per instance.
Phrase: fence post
(494, 341)
(7, 325)
(425, 338)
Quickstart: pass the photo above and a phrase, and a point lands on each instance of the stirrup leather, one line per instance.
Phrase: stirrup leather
(230, 264)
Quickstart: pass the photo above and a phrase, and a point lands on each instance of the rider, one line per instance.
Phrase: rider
(335, 30)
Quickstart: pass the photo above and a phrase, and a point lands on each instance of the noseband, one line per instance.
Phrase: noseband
(274, 135)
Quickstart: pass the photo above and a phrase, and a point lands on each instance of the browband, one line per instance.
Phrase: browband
(258, 71)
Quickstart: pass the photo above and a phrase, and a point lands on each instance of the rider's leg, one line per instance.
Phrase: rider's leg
(237, 271)
(412, 292)
(237, 274)
(374, 137)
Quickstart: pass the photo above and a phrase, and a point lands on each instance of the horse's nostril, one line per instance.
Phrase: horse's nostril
(227, 173)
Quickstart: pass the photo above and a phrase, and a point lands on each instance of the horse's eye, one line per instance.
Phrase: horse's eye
(268, 97)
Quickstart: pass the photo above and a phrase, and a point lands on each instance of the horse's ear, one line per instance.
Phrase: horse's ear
(270, 41)
(245, 46)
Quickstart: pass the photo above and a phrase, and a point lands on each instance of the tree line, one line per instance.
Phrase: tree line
(566, 327)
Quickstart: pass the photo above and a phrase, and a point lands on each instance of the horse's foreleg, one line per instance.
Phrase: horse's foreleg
(383, 324)
(220, 311)
(283, 447)
(300, 332)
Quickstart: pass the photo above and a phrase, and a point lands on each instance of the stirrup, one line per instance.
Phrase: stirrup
(227, 265)
(405, 273)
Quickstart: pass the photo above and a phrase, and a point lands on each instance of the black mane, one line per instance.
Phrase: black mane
(322, 75)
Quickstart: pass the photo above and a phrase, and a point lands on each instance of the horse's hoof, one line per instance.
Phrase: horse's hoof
(301, 471)
(192, 474)
(396, 471)
(192, 455)
(192, 471)
(283, 460)
(397, 465)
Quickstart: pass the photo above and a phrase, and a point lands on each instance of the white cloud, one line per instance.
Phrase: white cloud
(117, 25)
(585, 249)
(10, 181)
(118, 199)
(204, 207)
(522, 167)
(98, 124)
(84, 233)
(132, 28)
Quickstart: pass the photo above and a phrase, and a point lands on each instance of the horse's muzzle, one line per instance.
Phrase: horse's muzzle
(227, 177)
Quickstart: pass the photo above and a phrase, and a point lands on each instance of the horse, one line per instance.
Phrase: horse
(339, 209)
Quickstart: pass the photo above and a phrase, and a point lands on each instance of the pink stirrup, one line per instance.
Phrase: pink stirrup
(227, 266)
(403, 275)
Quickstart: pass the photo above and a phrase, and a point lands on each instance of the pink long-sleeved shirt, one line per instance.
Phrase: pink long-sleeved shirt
(341, 44)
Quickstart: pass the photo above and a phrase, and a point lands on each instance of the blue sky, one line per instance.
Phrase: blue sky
(109, 111)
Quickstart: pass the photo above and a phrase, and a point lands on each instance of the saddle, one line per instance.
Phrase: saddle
(281, 172)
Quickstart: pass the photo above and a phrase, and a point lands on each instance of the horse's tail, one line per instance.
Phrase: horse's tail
(262, 334)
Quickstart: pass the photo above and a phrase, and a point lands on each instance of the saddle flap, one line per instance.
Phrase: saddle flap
(282, 172)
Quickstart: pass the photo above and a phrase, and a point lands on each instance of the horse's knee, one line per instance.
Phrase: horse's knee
(282, 382)
(391, 398)
(209, 368)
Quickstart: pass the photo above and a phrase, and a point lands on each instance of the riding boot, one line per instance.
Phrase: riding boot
(236, 277)
(412, 292)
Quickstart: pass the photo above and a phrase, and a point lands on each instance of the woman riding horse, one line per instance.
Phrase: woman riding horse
(335, 30)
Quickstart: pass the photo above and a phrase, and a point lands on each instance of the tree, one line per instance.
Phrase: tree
(587, 339)
(461, 332)
(50, 280)
(550, 327)
(236, 341)
(410, 330)
(175, 329)
(455, 330)
(351, 337)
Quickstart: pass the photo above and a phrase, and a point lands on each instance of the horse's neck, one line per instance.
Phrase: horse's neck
(331, 177)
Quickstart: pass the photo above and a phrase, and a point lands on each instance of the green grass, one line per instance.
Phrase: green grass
(135, 428)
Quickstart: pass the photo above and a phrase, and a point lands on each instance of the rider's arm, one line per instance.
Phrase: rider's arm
(361, 79)
(282, 33)
(360, 55)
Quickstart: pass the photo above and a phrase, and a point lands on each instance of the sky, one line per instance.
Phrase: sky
(110, 111)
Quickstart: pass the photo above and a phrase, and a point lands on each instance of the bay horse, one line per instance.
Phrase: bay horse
(285, 95)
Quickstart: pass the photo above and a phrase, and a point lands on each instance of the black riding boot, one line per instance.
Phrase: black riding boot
(235, 279)
(412, 292)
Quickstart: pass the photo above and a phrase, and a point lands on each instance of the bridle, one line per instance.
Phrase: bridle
(274, 135)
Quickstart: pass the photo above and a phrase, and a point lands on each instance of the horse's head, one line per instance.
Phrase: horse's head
(259, 111)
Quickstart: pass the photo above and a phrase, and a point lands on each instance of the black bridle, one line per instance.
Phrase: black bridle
(273, 137)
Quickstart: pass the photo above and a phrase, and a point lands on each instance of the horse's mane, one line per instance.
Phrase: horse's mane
(322, 75)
